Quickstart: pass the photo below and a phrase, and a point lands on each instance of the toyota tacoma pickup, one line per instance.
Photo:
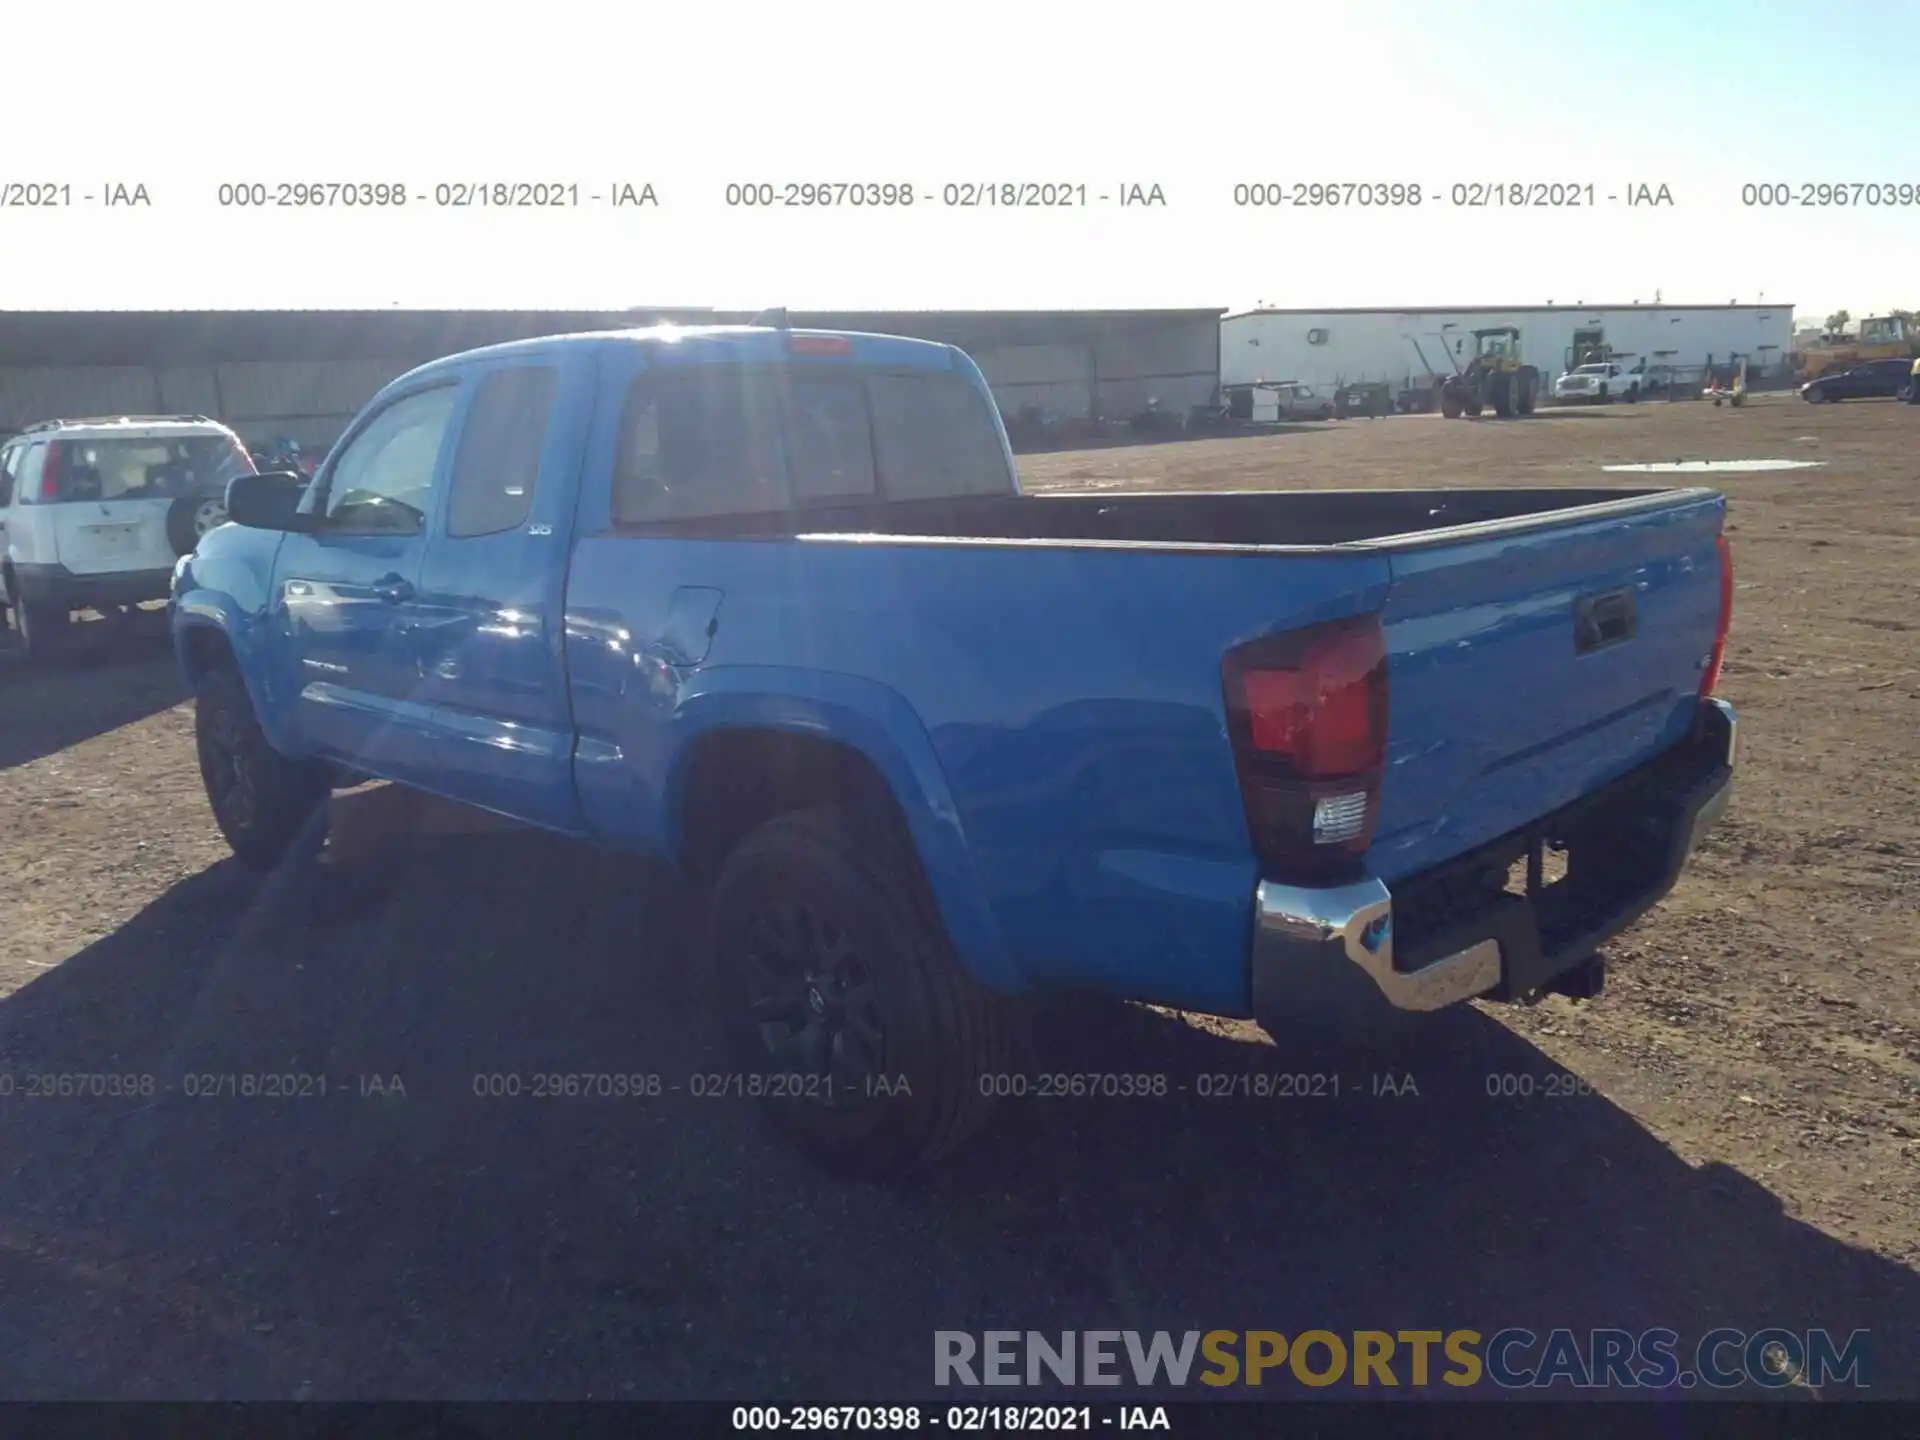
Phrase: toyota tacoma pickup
(771, 604)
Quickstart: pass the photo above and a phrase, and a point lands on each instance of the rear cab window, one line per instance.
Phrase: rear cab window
(830, 452)
(704, 440)
(711, 440)
(935, 438)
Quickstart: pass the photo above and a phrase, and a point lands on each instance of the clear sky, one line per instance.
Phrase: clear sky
(1614, 94)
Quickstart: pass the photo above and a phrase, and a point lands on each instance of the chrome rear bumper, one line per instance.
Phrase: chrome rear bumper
(1298, 930)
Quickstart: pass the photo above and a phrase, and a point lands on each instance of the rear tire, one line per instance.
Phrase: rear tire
(260, 799)
(831, 971)
(191, 517)
(42, 628)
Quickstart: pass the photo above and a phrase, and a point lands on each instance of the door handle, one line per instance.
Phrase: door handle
(1603, 620)
(392, 590)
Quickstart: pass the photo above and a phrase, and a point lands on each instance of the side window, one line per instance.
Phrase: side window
(829, 443)
(498, 462)
(9, 457)
(696, 442)
(383, 483)
(934, 438)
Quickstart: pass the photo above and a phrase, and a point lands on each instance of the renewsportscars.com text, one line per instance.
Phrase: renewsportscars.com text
(1508, 1359)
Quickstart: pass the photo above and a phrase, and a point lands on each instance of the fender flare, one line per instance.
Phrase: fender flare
(877, 723)
(203, 611)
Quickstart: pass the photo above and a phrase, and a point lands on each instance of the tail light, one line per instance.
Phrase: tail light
(1307, 714)
(1712, 678)
(53, 471)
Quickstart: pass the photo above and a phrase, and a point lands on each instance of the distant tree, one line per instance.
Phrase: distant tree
(1837, 322)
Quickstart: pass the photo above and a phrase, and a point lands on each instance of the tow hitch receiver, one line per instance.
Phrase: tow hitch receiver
(1585, 981)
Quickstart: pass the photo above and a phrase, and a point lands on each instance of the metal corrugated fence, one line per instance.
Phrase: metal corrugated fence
(1079, 364)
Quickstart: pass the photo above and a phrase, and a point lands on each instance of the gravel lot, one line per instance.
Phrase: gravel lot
(1744, 1148)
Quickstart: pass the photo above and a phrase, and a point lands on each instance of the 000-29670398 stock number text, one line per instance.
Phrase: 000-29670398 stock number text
(1409, 195)
(911, 1418)
(953, 195)
(708, 1085)
(442, 195)
(1460, 195)
(1834, 194)
(195, 1085)
(75, 1085)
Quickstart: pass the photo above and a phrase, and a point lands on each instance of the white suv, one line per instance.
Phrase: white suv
(1601, 382)
(94, 513)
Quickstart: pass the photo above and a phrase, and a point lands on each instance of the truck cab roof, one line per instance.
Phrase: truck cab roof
(719, 344)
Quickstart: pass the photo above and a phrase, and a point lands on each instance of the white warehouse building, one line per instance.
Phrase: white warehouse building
(1402, 347)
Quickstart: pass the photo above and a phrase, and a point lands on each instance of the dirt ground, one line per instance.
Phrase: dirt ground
(1741, 1146)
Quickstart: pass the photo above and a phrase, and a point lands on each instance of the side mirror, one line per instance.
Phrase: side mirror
(268, 501)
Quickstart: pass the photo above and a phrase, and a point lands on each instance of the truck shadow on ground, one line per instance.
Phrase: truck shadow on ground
(396, 1224)
(111, 674)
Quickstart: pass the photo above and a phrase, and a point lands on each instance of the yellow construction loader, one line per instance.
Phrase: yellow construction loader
(1881, 337)
(1496, 378)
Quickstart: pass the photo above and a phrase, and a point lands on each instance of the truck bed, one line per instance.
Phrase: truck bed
(1062, 657)
(1231, 520)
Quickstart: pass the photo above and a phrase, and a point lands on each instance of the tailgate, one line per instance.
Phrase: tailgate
(104, 537)
(1529, 667)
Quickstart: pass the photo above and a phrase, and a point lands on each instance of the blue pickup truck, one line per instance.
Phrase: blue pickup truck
(770, 603)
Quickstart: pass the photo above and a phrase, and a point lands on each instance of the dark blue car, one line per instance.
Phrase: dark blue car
(1874, 380)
